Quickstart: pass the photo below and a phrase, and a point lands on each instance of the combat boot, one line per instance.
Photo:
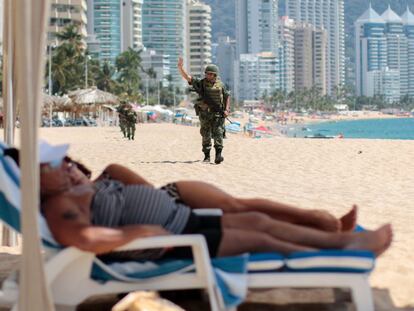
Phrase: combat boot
(207, 157)
(219, 158)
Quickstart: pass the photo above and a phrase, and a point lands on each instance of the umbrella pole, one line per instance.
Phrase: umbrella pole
(9, 238)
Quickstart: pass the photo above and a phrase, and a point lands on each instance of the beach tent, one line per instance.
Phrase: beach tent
(24, 60)
(262, 129)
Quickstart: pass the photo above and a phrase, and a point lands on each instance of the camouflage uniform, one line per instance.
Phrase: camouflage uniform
(211, 114)
(121, 109)
(130, 120)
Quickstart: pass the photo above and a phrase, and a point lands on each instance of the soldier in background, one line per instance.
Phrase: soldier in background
(127, 120)
(130, 121)
(121, 116)
(213, 106)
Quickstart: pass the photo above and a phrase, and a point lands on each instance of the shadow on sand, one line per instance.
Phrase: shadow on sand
(170, 162)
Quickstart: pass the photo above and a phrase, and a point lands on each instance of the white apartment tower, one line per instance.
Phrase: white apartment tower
(329, 15)
(64, 13)
(131, 26)
(198, 36)
(287, 53)
(256, 26)
(257, 75)
(384, 47)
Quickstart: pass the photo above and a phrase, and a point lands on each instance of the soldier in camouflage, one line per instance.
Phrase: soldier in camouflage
(213, 107)
(121, 116)
(127, 120)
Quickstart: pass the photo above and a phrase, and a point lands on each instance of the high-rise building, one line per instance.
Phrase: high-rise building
(114, 26)
(164, 29)
(408, 22)
(257, 75)
(384, 47)
(158, 62)
(256, 26)
(396, 47)
(131, 27)
(385, 82)
(64, 13)
(302, 55)
(105, 17)
(198, 36)
(225, 57)
(329, 15)
(370, 47)
(287, 53)
(310, 57)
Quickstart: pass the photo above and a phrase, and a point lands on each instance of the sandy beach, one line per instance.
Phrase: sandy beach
(377, 175)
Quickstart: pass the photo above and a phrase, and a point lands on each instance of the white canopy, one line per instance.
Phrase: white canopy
(24, 61)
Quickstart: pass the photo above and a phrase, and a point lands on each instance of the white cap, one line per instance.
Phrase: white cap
(49, 153)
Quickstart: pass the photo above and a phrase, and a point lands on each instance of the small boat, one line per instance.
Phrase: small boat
(321, 136)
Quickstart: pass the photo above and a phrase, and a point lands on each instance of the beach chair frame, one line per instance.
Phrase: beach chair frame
(358, 283)
(68, 273)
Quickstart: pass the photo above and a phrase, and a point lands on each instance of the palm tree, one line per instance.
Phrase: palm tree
(61, 72)
(277, 98)
(128, 65)
(104, 78)
(70, 35)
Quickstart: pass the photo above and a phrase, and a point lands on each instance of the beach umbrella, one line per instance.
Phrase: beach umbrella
(25, 33)
(93, 96)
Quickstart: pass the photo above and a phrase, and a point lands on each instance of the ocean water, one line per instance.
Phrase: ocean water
(401, 128)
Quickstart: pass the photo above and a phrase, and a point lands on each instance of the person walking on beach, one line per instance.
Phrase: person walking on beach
(213, 107)
(122, 120)
(127, 120)
(131, 120)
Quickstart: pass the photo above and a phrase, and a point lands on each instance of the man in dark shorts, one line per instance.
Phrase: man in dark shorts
(99, 217)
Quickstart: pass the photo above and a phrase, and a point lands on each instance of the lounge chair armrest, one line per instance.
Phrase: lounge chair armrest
(197, 243)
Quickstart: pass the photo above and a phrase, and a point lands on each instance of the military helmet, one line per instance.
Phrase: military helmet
(212, 68)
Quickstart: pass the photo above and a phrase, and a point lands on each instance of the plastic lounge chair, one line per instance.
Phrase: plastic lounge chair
(68, 270)
(308, 269)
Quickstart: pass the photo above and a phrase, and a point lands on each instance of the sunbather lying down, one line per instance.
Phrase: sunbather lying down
(120, 206)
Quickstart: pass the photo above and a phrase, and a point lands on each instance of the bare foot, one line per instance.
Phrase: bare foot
(376, 241)
(348, 221)
(322, 220)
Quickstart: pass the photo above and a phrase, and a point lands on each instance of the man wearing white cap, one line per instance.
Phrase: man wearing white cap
(101, 216)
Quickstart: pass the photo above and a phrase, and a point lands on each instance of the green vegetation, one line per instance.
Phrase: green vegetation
(71, 63)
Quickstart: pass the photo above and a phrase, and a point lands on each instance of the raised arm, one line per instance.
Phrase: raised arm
(124, 175)
(182, 71)
(71, 227)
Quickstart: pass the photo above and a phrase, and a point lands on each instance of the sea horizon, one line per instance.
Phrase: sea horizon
(394, 128)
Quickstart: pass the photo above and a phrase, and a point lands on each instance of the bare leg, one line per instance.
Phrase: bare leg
(203, 195)
(376, 241)
(235, 242)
